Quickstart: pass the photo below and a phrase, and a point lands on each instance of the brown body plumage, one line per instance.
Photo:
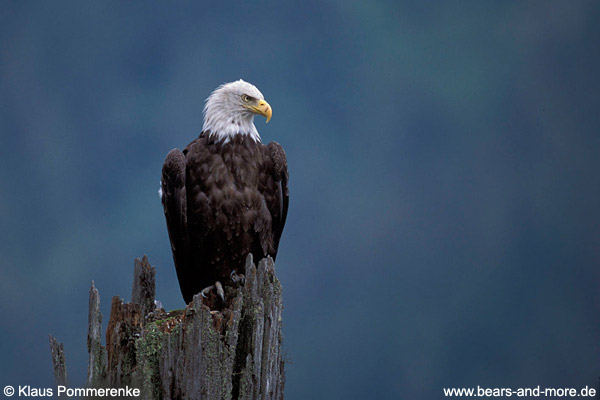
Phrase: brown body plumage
(222, 201)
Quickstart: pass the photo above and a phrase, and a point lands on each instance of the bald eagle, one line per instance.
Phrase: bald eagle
(225, 195)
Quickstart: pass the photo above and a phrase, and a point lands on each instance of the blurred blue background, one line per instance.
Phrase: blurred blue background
(444, 156)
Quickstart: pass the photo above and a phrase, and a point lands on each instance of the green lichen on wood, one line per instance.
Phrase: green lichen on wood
(215, 354)
(148, 349)
(98, 366)
(162, 322)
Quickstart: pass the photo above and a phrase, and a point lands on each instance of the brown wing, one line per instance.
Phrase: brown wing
(174, 200)
(280, 175)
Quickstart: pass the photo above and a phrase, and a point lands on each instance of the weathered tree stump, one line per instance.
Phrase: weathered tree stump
(206, 351)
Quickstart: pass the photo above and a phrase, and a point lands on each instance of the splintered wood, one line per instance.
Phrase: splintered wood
(209, 350)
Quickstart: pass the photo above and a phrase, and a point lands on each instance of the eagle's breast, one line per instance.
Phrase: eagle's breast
(227, 200)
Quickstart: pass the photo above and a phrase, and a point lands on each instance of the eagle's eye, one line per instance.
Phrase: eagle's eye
(246, 98)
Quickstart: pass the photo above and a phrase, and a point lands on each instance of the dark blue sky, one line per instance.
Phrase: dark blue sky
(443, 226)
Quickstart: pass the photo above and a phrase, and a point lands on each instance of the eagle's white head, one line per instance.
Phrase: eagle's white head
(230, 111)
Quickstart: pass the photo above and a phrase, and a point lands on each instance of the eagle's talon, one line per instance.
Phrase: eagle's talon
(206, 290)
(236, 278)
(218, 288)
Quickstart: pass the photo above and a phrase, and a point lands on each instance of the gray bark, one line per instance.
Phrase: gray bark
(96, 373)
(143, 289)
(59, 364)
(206, 351)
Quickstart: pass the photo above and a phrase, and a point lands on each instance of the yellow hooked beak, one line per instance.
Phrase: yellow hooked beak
(263, 108)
